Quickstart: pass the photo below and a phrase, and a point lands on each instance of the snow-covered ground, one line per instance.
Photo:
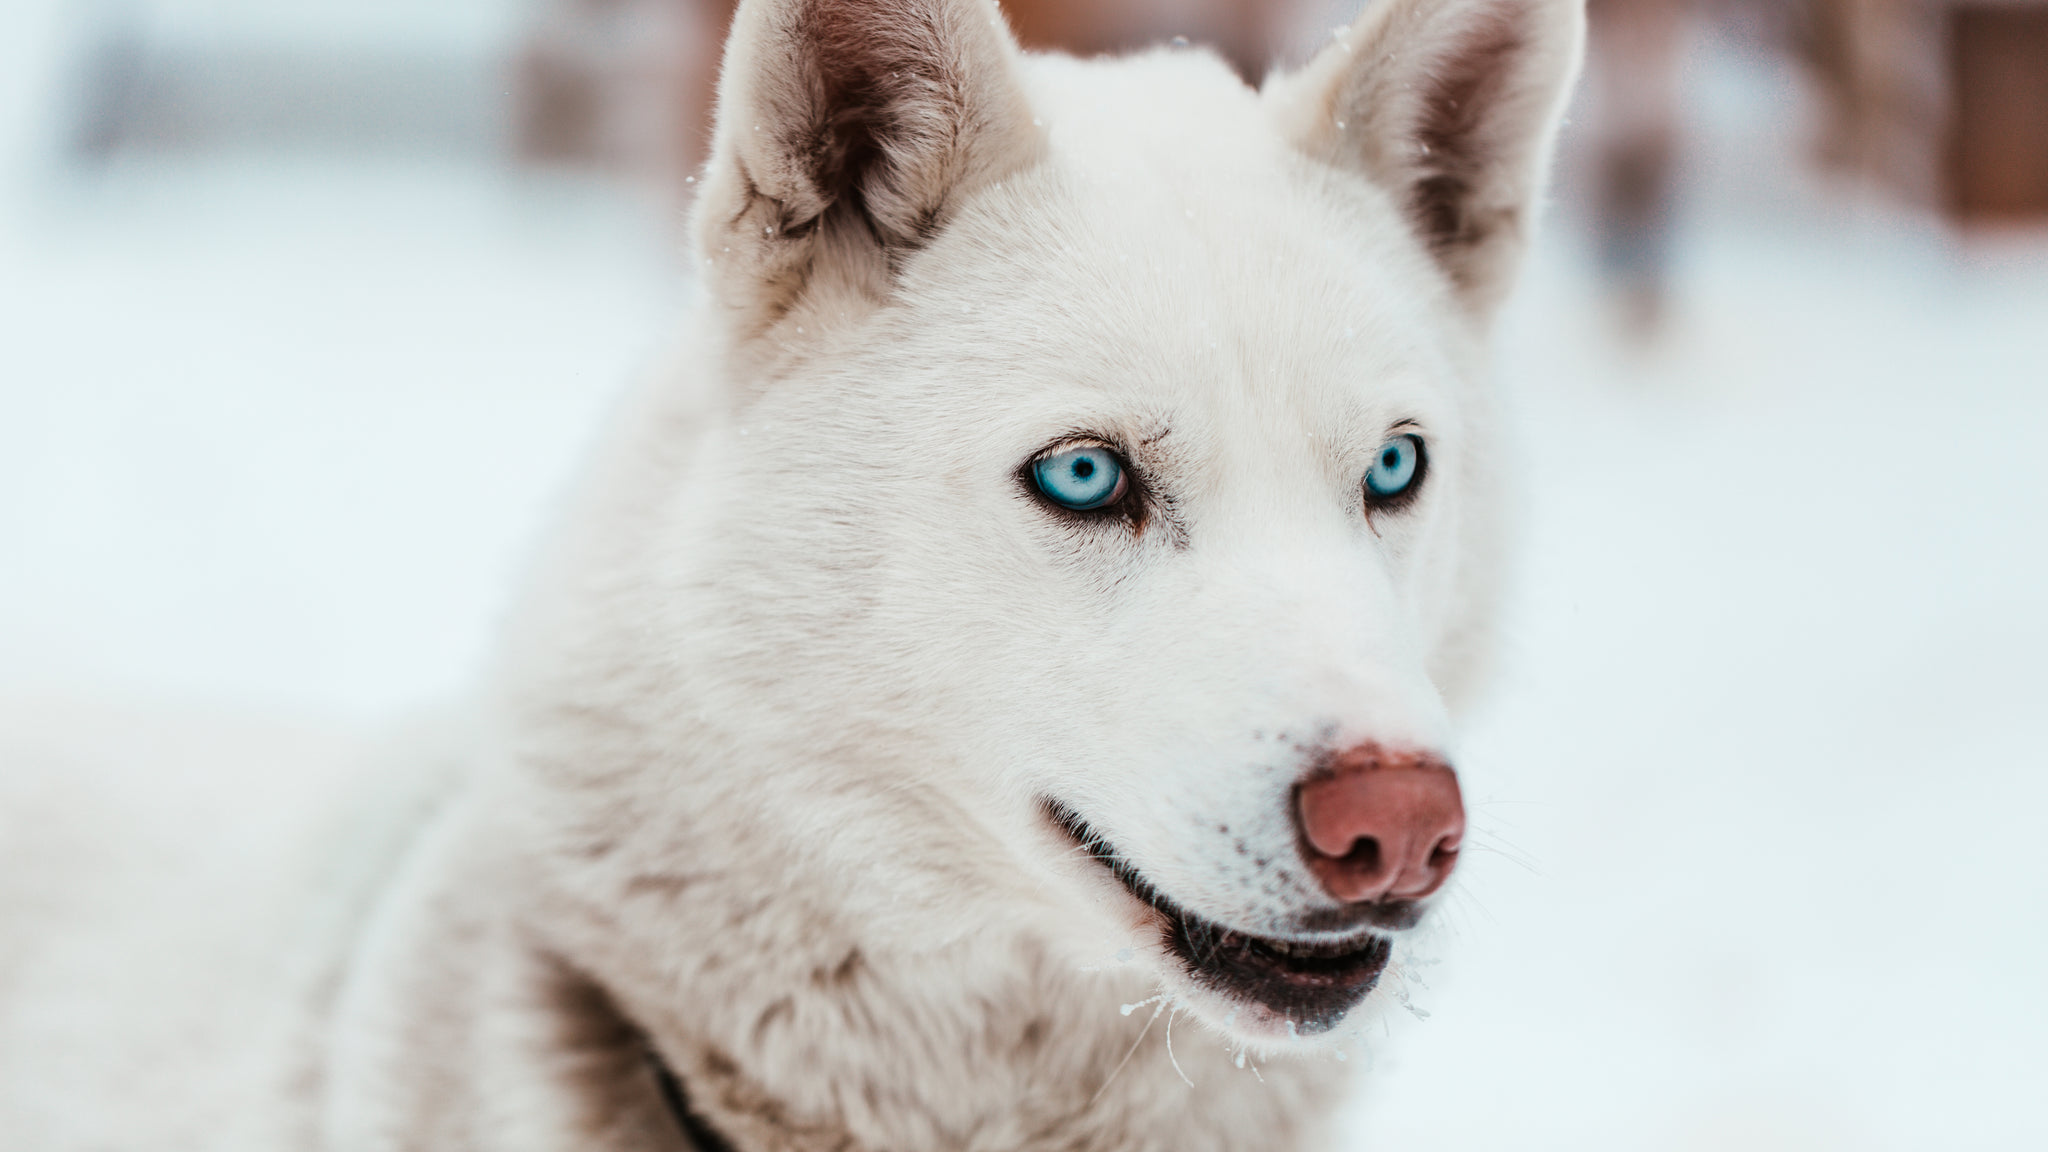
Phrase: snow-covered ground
(1764, 767)
(279, 431)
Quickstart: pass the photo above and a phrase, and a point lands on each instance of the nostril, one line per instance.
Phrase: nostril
(1443, 855)
(1364, 857)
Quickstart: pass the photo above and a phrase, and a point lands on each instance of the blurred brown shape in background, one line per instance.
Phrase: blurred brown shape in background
(627, 85)
(1633, 71)
(1940, 105)
(1998, 145)
(1935, 103)
(1245, 32)
(623, 85)
(1877, 71)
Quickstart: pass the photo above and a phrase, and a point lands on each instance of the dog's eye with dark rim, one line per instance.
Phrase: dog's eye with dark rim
(1396, 472)
(1082, 478)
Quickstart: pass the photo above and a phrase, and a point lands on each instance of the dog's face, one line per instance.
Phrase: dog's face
(1180, 478)
(1103, 516)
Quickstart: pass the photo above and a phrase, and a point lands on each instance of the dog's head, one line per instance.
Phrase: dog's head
(1095, 526)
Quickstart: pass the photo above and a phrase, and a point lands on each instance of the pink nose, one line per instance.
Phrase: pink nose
(1381, 825)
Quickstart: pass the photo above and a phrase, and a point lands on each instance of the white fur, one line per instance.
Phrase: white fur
(761, 776)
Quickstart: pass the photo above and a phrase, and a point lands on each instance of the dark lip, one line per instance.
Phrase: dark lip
(1311, 984)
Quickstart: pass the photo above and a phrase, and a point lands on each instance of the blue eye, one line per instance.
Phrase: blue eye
(1394, 467)
(1080, 478)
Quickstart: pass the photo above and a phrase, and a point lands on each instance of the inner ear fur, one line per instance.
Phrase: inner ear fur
(1453, 107)
(846, 131)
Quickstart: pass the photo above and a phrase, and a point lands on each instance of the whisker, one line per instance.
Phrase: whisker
(1169, 1049)
(1142, 1033)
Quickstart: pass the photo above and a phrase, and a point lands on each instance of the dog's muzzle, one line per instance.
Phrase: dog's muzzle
(1380, 831)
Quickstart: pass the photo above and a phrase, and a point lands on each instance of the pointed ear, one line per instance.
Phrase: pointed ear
(847, 130)
(1452, 106)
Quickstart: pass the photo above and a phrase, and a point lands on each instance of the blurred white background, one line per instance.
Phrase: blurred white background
(283, 403)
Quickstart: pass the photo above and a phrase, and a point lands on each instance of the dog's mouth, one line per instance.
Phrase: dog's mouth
(1310, 984)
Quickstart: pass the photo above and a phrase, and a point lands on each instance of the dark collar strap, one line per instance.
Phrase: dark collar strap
(700, 1135)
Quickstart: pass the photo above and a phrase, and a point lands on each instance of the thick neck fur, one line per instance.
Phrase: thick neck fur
(810, 1040)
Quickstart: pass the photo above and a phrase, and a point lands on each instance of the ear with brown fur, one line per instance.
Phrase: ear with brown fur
(1452, 106)
(846, 131)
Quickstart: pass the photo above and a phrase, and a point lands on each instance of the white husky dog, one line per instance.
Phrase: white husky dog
(1046, 591)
